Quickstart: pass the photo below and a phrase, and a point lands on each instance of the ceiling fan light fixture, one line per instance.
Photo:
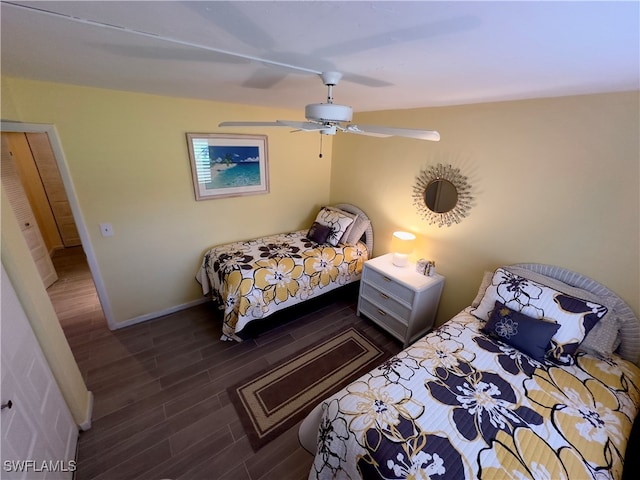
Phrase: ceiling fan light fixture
(328, 112)
(330, 130)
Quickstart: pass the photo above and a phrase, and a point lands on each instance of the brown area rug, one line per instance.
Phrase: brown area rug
(274, 400)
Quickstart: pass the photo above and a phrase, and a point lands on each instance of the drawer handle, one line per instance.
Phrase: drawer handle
(382, 313)
(386, 279)
(386, 297)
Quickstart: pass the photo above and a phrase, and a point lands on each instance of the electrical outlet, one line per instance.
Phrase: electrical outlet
(106, 229)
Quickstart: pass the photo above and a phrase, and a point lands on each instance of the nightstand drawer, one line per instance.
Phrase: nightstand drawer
(385, 319)
(383, 300)
(387, 284)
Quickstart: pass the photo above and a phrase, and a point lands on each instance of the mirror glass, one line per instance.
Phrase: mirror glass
(440, 196)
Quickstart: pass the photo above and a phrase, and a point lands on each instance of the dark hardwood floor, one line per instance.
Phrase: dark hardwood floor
(161, 408)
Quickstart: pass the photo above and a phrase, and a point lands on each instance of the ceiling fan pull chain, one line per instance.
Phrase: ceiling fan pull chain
(320, 156)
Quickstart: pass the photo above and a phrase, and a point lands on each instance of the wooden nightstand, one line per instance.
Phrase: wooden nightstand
(399, 299)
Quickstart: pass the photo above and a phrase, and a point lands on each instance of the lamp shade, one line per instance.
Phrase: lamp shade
(402, 244)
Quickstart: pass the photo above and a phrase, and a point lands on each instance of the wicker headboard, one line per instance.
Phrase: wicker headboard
(368, 234)
(629, 323)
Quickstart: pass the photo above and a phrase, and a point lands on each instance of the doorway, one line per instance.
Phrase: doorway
(71, 287)
(78, 296)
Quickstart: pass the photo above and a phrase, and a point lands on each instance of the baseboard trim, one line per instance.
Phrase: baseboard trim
(161, 313)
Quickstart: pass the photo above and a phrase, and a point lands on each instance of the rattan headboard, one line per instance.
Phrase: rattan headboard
(629, 323)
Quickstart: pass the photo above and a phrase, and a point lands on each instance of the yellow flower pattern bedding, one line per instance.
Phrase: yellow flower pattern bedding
(253, 279)
(460, 404)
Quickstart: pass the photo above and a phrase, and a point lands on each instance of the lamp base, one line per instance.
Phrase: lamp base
(400, 259)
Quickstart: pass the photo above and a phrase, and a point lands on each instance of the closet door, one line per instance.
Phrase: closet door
(52, 182)
(26, 219)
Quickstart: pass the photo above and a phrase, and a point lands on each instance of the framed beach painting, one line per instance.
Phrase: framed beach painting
(228, 165)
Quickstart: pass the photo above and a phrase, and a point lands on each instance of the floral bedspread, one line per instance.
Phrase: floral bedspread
(255, 278)
(457, 404)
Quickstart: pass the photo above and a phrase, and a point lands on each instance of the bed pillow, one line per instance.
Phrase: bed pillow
(527, 334)
(318, 233)
(575, 316)
(357, 229)
(604, 338)
(561, 286)
(353, 216)
(486, 281)
(337, 220)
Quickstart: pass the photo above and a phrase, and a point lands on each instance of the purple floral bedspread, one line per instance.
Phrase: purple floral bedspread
(253, 279)
(458, 404)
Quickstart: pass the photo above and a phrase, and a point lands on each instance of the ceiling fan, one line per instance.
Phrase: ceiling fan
(329, 118)
(326, 118)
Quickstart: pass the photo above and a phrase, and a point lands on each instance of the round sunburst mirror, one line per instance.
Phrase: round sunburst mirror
(442, 195)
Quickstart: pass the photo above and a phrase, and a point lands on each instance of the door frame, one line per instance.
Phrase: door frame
(81, 225)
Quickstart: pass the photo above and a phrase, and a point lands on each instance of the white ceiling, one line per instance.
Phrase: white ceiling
(393, 54)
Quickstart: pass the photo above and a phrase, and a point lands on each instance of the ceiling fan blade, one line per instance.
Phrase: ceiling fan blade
(349, 129)
(376, 131)
(306, 126)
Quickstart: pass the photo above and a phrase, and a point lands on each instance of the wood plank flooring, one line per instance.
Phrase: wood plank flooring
(161, 408)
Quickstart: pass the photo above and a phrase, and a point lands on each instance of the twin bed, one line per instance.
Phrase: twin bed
(535, 380)
(253, 279)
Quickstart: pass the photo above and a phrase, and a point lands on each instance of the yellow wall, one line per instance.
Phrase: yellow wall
(555, 181)
(128, 160)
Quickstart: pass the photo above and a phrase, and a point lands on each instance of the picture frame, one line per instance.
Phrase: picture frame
(228, 165)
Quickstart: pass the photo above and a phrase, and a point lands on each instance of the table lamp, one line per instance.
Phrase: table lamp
(402, 244)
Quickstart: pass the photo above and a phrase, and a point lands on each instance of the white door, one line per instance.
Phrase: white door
(26, 219)
(39, 435)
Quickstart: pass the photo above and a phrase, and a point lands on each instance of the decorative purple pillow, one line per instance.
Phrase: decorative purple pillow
(529, 335)
(319, 233)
